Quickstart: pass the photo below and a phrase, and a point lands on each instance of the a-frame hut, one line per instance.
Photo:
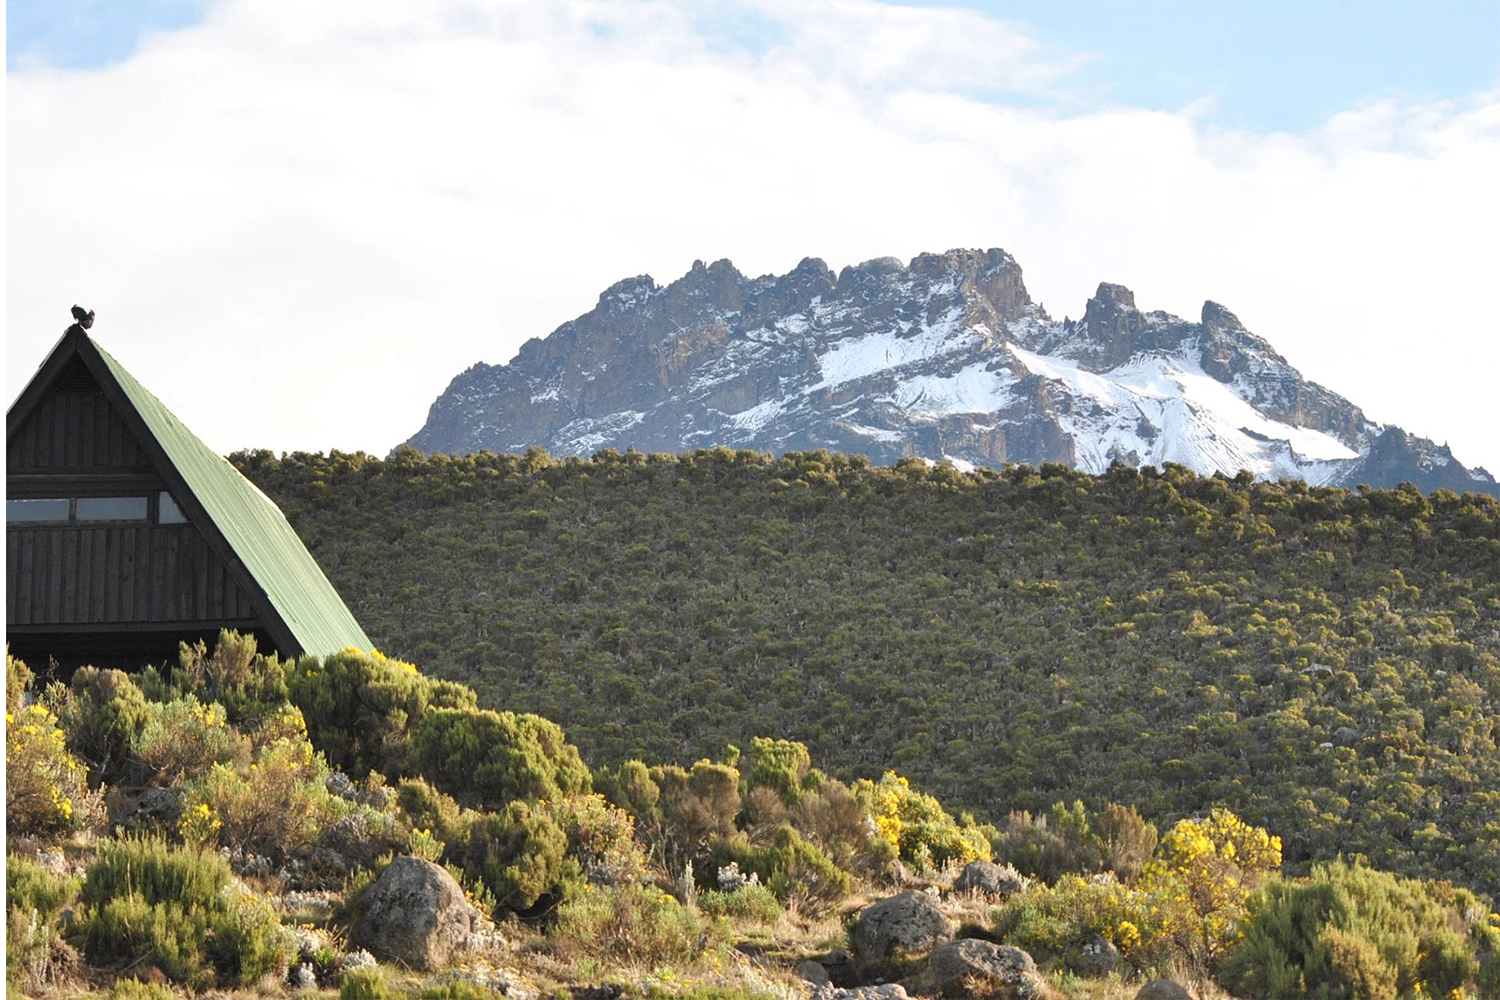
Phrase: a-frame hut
(125, 534)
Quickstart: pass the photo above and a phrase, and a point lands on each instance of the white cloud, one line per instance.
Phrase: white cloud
(297, 226)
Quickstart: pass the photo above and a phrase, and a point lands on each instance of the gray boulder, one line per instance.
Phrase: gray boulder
(1094, 955)
(970, 966)
(899, 927)
(885, 991)
(416, 914)
(1162, 989)
(813, 972)
(989, 879)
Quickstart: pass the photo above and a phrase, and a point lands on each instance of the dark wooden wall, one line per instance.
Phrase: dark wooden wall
(78, 574)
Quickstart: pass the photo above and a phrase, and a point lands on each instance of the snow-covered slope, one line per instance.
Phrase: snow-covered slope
(943, 358)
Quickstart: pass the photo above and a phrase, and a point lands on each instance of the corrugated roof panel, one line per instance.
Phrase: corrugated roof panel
(254, 526)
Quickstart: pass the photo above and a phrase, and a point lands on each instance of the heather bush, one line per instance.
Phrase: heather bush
(103, 718)
(46, 787)
(1059, 843)
(148, 904)
(236, 676)
(795, 870)
(918, 827)
(184, 738)
(696, 806)
(360, 706)
(520, 855)
(833, 818)
(364, 984)
(1129, 841)
(34, 898)
(425, 808)
(751, 903)
(782, 766)
(485, 759)
(1351, 931)
(276, 806)
(636, 923)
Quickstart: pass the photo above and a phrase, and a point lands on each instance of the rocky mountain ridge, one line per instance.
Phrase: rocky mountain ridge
(946, 357)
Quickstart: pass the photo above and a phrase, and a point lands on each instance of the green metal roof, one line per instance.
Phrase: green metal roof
(253, 526)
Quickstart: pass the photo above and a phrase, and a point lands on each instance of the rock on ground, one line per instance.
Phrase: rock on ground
(899, 926)
(997, 970)
(416, 913)
(989, 879)
(1163, 989)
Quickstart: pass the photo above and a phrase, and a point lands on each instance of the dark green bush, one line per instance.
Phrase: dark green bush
(103, 719)
(360, 706)
(237, 676)
(1349, 931)
(795, 871)
(520, 854)
(485, 759)
(148, 904)
(18, 678)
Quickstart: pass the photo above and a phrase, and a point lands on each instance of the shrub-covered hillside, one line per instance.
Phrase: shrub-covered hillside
(1324, 662)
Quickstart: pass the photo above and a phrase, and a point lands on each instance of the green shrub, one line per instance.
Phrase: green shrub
(783, 766)
(794, 870)
(276, 806)
(103, 719)
(601, 837)
(34, 898)
(753, 903)
(236, 676)
(638, 923)
(520, 855)
(184, 738)
(360, 707)
(46, 787)
(486, 759)
(695, 806)
(364, 984)
(425, 807)
(145, 903)
(1350, 931)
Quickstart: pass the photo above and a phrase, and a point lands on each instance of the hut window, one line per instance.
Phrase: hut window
(167, 510)
(51, 509)
(111, 508)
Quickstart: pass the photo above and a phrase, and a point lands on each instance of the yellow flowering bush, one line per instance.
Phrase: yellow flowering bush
(1212, 865)
(46, 786)
(274, 807)
(918, 827)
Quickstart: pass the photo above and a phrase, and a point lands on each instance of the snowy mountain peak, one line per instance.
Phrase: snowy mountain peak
(944, 357)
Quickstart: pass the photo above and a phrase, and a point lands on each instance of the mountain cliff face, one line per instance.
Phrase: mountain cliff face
(945, 357)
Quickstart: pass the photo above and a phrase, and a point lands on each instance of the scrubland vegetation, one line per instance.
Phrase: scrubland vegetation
(290, 786)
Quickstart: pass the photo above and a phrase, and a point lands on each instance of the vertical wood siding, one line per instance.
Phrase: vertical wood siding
(116, 574)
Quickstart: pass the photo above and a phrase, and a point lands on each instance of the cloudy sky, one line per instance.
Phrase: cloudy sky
(299, 219)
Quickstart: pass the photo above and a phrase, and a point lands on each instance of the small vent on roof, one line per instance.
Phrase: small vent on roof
(76, 378)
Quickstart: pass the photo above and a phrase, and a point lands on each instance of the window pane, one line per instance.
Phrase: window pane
(37, 510)
(167, 510)
(111, 508)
